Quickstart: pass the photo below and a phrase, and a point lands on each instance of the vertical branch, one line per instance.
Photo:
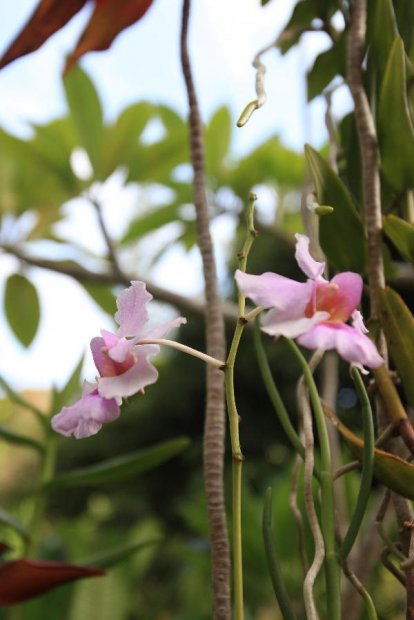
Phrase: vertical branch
(214, 429)
(369, 155)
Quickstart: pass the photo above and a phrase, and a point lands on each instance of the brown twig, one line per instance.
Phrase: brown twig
(112, 255)
(214, 429)
(81, 274)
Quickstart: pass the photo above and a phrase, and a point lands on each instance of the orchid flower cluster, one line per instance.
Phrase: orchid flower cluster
(122, 362)
(315, 313)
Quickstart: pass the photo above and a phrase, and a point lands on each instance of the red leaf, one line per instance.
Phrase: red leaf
(24, 579)
(48, 17)
(109, 18)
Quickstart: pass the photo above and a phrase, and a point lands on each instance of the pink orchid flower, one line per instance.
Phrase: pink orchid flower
(123, 365)
(315, 312)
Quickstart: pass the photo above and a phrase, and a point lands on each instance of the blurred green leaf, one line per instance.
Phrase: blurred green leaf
(86, 112)
(401, 234)
(102, 295)
(122, 138)
(395, 126)
(382, 30)
(14, 523)
(343, 224)
(326, 67)
(393, 472)
(155, 162)
(217, 139)
(398, 325)
(121, 468)
(150, 221)
(272, 163)
(303, 13)
(69, 391)
(22, 308)
(112, 557)
(20, 440)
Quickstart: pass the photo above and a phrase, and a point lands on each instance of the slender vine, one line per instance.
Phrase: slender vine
(214, 428)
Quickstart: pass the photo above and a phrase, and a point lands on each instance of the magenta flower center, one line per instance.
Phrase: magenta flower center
(327, 297)
(111, 368)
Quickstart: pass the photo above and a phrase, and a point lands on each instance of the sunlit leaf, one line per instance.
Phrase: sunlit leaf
(398, 325)
(108, 19)
(121, 468)
(153, 220)
(48, 17)
(401, 234)
(395, 126)
(391, 470)
(217, 140)
(24, 579)
(343, 224)
(22, 308)
(86, 112)
(122, 138)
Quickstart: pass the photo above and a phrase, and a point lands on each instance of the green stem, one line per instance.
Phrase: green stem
(333, 595)
(367, 468)
(275, 397)
(276, 575)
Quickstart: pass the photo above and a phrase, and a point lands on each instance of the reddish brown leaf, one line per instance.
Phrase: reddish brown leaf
(24, 579)
(48, 17)
(109, 18)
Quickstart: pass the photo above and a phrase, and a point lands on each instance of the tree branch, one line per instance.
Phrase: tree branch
(214, 428)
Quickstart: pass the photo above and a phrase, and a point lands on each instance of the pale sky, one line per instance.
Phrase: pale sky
(144, 64)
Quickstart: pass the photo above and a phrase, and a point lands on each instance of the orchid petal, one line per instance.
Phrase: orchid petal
(349, 291)
(118, 348)
(272, 325)
(141, 374)
(311, 267)
(161, 330)
(132, 313)
(349, 342)
(85, 417)
(271, 290)
(358, 322)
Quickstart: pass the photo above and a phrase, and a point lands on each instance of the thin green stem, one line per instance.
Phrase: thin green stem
(327, 494)
(367, 468)
(276, 575)
(363, 592)
(275, 397)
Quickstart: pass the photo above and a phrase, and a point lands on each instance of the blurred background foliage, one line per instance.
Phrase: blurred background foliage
(146, 515)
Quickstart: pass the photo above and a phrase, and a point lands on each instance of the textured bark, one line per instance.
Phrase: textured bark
(369, 153)
(214, 429)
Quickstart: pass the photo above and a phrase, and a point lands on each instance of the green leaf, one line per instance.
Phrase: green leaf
(112, 557)
(217, 138)
(20, 440)
(343, 224)
(102, 295)
(122, 138)
(382, 30)
(398, 325)
(14, 523)
(22, 308)
(395, 126)
(326, 67)
(153, 220)
(18, 400)
(70, 389)
(393, 472)
(401, 234)
(121, 468)
(86, 111)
